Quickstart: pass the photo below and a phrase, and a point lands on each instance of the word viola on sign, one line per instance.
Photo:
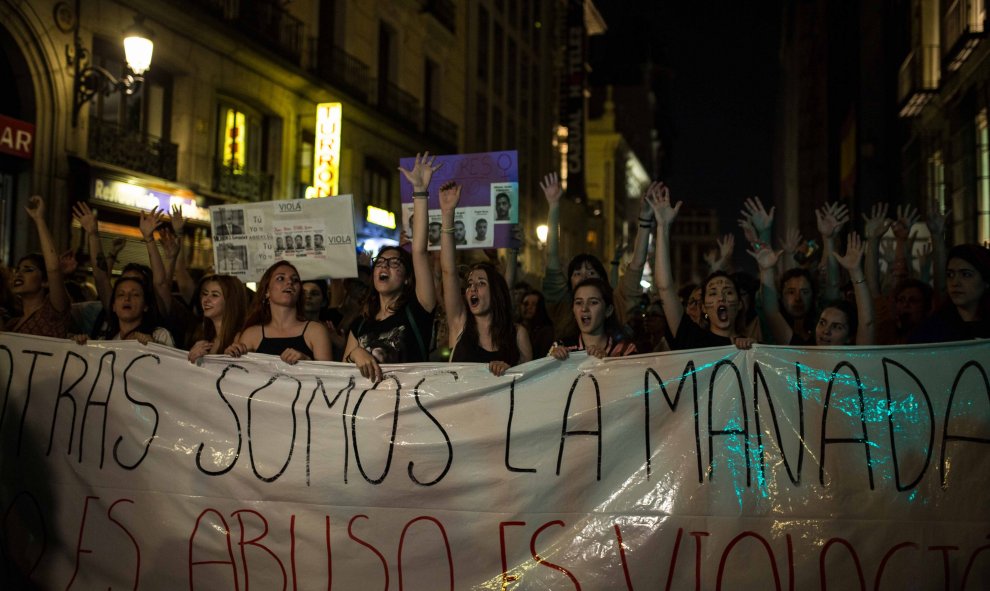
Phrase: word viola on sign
(770, 468)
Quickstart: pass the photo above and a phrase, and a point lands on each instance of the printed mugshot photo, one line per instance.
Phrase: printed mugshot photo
(228, 222)
(505, 199)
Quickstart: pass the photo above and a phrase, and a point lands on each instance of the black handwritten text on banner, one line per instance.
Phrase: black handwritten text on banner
(775, 468)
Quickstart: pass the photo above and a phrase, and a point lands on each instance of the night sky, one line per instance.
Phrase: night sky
(716, 80)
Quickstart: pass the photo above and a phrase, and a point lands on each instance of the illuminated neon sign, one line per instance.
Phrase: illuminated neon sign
(381, 217)
(326, 157)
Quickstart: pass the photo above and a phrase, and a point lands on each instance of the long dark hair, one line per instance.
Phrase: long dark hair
(503, 328)
(261, 310)
(852, 317)
(373, 304)
(234, 309)
(150, 318)
(542, 317)
(613, 328)
(979, 258)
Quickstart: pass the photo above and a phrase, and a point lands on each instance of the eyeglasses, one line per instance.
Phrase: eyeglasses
(390, 262)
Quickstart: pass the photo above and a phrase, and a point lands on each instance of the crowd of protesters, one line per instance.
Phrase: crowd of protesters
(409, 305)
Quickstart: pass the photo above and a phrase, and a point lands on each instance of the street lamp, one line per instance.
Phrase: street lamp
(541, 233)
(90, 80)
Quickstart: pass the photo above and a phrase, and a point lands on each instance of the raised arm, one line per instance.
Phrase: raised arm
(663, 273)
(420, 177)
(875, 226)
(552, 192)
(767, 259)
(852, 261)
(629, 289)
(453, 303)
(790, 244)
(180, 267)
(758, 218)
(831, 218)
(720, 257)
(937, 223)
(56, 283)
(163, 285)
(907, 217)
(101, 270)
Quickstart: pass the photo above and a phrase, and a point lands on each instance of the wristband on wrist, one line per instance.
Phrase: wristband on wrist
(447, 230)
(421, 194)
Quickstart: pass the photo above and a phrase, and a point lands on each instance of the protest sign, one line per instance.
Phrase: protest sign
(776, 468)
(315, 235)
(489, 198)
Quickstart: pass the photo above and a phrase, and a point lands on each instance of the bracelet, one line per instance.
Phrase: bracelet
(446, 230)
(860, 281)
(646, 225)
(646, 220)
(421, 194)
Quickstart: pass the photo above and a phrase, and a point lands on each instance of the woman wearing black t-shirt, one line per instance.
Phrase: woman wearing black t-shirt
(720, 297)
(397, 323)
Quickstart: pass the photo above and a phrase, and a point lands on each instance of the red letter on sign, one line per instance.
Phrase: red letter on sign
(230, 551)
(537, 558)
(351, 535)
(506, 578)
(242, 543)
(79, 549)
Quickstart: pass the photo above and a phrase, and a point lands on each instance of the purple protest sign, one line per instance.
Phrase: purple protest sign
(489, 203)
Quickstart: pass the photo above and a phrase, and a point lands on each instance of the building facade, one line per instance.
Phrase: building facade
(227, 112)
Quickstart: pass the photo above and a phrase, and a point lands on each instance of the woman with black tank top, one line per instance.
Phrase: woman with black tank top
(397, 323)
(483, 330)
(277, 324)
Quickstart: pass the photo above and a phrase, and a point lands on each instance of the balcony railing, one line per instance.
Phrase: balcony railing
(244, 183)
(140, 152)
(398, 103)
(264, 20)
(918, 79)
(441, 129)
(340, 68)
(445, 11)
(962, 29)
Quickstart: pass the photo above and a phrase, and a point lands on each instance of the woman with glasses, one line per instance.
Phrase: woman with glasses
(277, 325)
(480, 323)
(397, 323)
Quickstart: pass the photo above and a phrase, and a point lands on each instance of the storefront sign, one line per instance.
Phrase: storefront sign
(16, 137)
(326, 160)
(381, 217)
(145, 198)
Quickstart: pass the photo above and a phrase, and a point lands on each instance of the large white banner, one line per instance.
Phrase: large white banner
(126, 467)
(315, 235)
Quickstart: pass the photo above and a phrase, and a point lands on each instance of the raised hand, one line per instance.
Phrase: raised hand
(876, 224)
(450, 196)
(907, 216)
(854, 253)
(148, 222)
(170, 245)
(86, 217)
(660, 203)
(116, 246)
(749, 232)
(551, 188)
(766, 258)
(791, 241)
(67, 262)
(645, 211)
(36, 208)
(936, 221)
(422, 171)
(718, 258)
(178, 222)
(757, 215)
(831, 218)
